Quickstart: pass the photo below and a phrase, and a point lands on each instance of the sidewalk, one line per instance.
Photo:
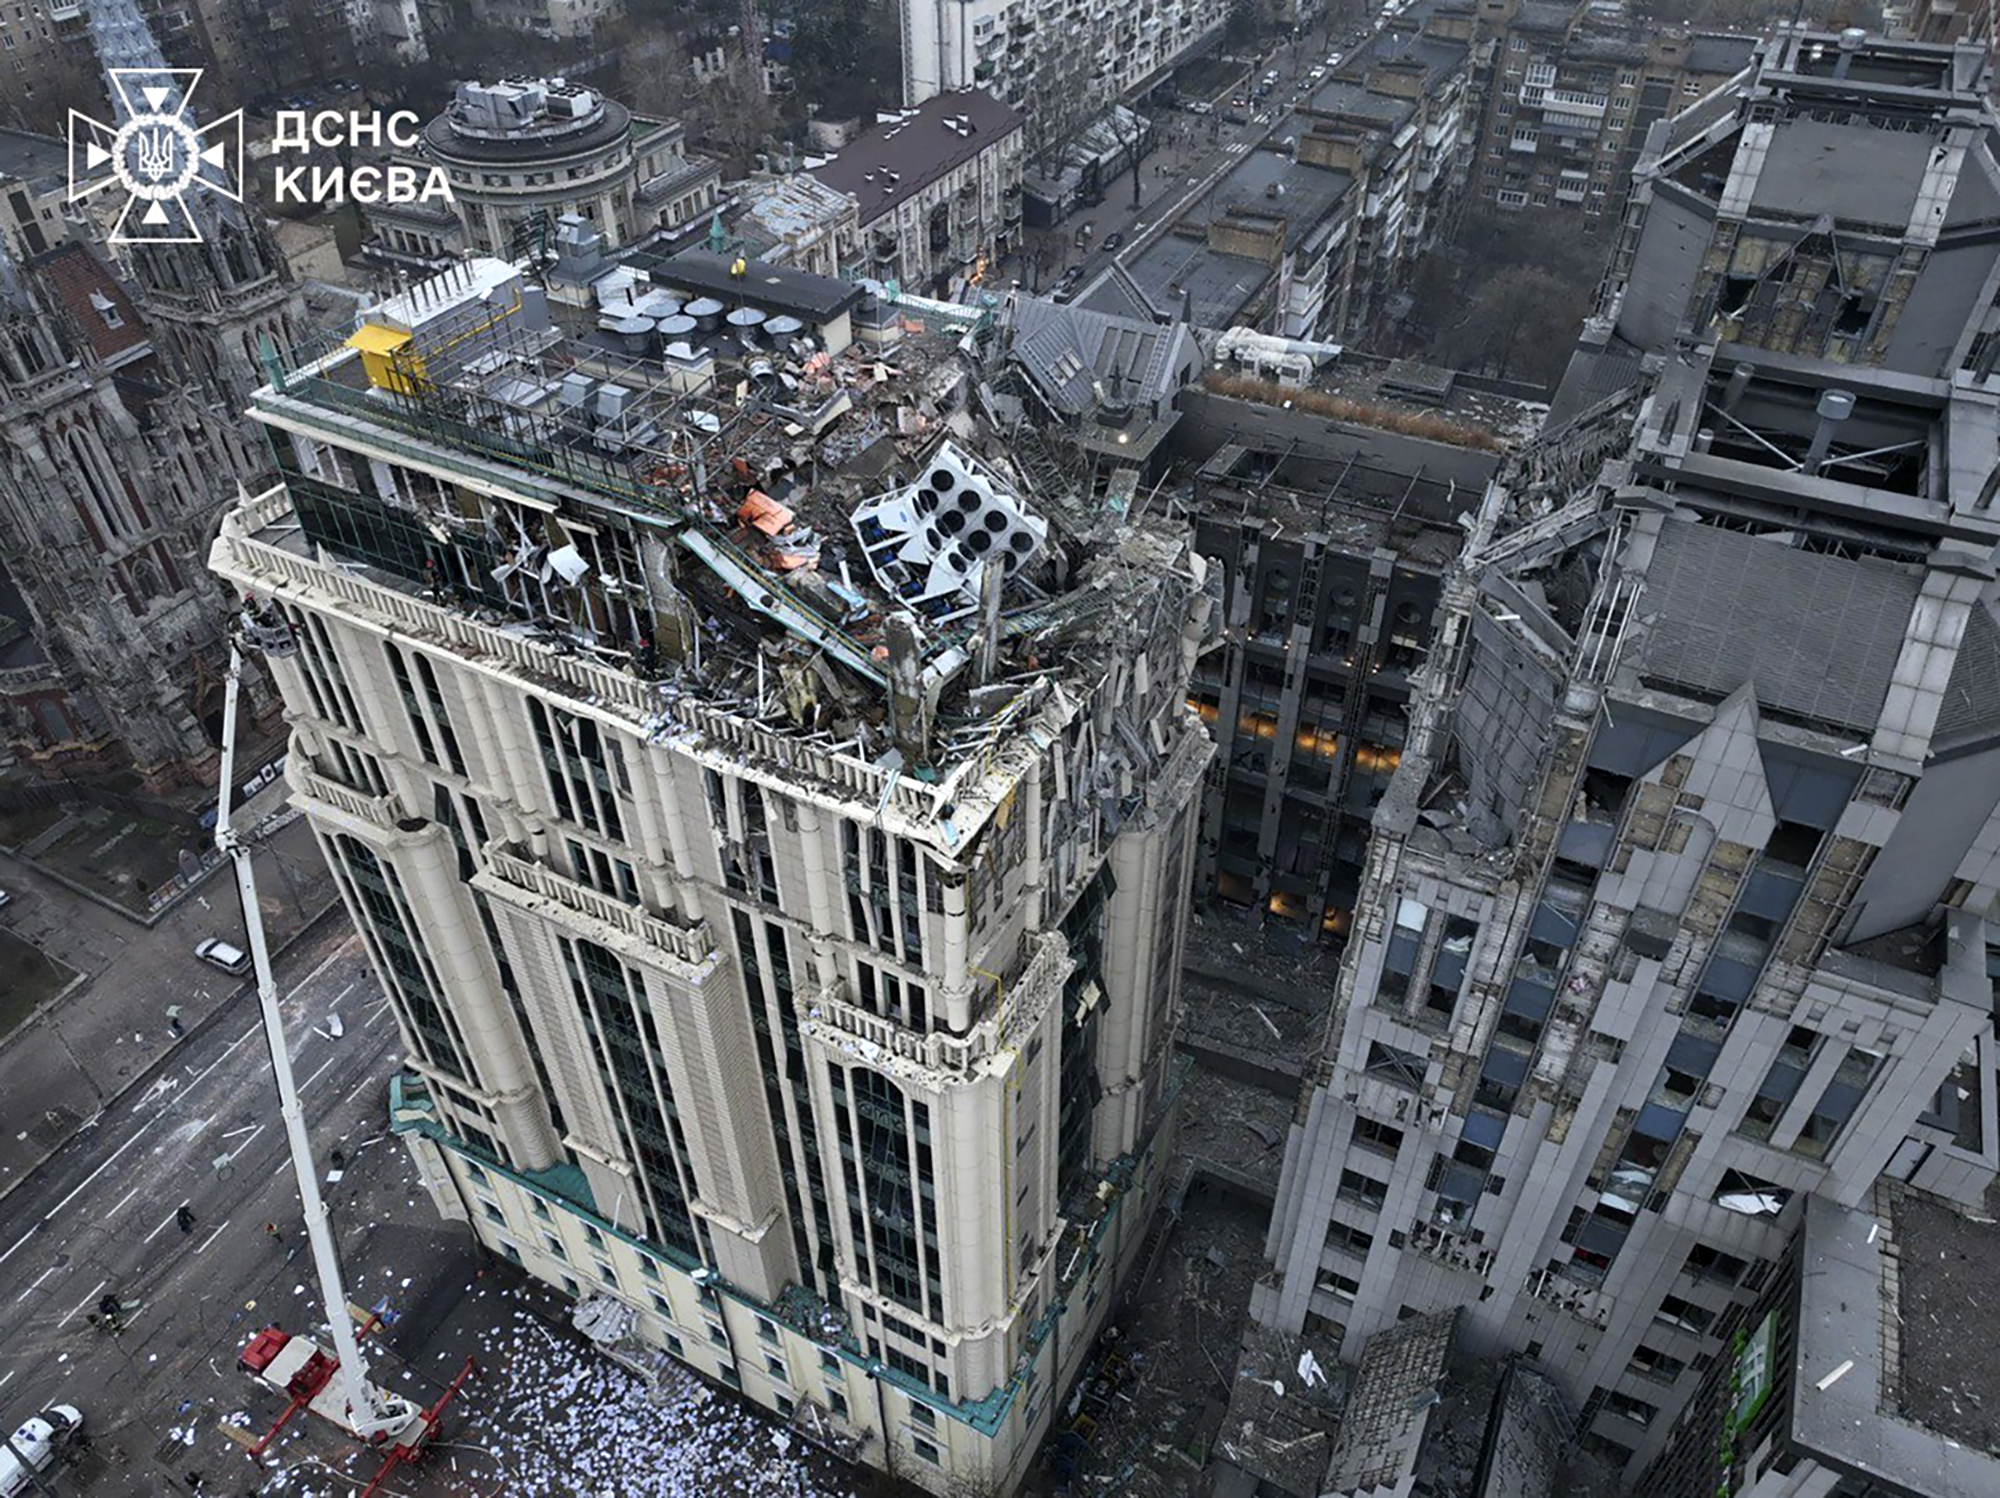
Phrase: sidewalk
(109, 1031)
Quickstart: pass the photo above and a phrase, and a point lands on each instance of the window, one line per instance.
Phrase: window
(1359, 1188)
(829, 1363)
(661, 1304)
(493, 1213)
(571, 1288)
(924, 1449)
(541, 1209)
(1650, 1362)
(924, 1415)
(717, 1335)
(1403, 1068)
(1706, 1263)
(1684, 1314)
(1378, 1137)
(474, 1173)
(775, 1366)
(648, 1268)
(606, 1273)
(591, 1236)
(837, 1402)
(768, 1330)
(554, 1245)
(1349, 1239)
(1636, 1410)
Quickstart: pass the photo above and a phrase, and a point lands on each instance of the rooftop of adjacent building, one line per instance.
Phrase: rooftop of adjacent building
(905, 153)
(517, 121)
(1889, 1377)
(96, 300)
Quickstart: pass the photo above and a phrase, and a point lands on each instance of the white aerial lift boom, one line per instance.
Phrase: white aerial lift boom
(367, 1412)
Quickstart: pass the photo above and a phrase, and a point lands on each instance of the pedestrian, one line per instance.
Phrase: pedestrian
(339, 1160)
(272, 1232)
(184, 1217)
(195, 1481)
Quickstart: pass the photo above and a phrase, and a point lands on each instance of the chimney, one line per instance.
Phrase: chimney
(1835, 406)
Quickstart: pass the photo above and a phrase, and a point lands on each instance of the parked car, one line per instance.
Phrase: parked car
(33, 1448)
(4, 897)
(230, 959)
(1201, 106)
(1113, 241)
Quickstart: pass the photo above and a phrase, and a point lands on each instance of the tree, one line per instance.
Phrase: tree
(846, 56)
(1521, 325)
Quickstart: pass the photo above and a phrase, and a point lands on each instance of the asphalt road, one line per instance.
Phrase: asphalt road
(99, 1216)
(1197, 150)
(60, 1069)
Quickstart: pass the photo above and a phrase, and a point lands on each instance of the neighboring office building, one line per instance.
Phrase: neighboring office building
(523, 148)
(1569, 96)
(1068, 56)
(1943, 21)
(1333, 538)
(1312, 233)
(388, 28)
(937, 189)
(806, 988)
(1675, 921)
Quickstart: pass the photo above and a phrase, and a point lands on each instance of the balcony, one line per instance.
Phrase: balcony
(520, 881)
(378, 812)
(1571, 101)
(1017, 1007)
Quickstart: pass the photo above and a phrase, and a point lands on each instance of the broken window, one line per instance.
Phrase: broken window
(1403, 1068)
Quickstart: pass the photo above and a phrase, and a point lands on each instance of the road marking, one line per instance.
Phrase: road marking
(82, 1303)
(316, 1075)
(121, 1201)
(10, 1373)
(140, 1132)
(38, 1279)
(163, 1222)
(246, 1143)
(212, 1236)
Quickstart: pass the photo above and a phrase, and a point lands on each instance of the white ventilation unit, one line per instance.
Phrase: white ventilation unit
(929, 545)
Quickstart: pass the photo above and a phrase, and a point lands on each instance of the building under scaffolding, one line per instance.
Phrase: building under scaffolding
(768, 798)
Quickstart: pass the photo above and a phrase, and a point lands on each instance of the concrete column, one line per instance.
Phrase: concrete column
(427, 862)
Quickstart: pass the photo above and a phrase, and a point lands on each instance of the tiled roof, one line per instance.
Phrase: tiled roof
(97, 303)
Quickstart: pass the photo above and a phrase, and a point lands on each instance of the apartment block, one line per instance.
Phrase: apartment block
(1569, 94)
(770, 813)
(936, 189)
(1316, 232)
(1674, 935)
(1048, 58)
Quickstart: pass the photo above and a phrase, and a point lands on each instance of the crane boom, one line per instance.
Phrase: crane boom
(366, 1411)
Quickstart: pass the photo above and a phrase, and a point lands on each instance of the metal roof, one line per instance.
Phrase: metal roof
(1813, 634)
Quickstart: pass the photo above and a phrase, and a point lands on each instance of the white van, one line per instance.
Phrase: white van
(37, 1439)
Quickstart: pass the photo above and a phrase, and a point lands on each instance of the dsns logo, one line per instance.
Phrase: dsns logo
(159, 156)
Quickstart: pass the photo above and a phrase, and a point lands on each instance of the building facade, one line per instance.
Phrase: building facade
(1569, 95)
(552, 20)
(1071, 57)
(106, 470)
(825, 1030)
(525, 152)
(1317, 232)
(937, 190)
(1676, 919)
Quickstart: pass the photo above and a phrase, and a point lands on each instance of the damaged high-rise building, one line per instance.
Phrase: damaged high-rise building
(1675, 929)
(769, 810)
